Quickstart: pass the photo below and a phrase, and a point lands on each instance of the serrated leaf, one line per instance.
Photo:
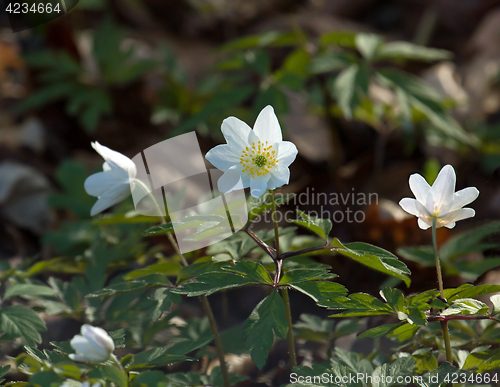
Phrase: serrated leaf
(19, 321)
(159, 230)
(164, 299)
(320, 290)
(186, 346)
(466, 306)
(472, 291)
(149, 281)
(375, 258)
(27, 290)
(296, 276)
(252, 270)
(213, 282)
(380, 330)
(320, 227)
(166, 269)
(268, 318)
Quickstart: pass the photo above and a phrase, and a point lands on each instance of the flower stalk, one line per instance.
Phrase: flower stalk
(444, 324)
(204, 299)
(284, 291)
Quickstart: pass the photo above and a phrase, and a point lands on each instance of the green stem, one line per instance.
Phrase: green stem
(217, 341)
(275, 222)
(444, 324)
(436, 256)
(120, 366)
(284, 292)
(289, 336)
(204, 299)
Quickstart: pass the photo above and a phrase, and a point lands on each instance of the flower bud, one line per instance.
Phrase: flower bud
(93, 345)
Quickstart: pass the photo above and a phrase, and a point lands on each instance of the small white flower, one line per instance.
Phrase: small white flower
(440, 200)
(113, 184)
(259, 157)
(93, 345)
(84, 384)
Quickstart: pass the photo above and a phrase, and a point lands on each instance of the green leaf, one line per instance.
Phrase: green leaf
(18, 321)
(71, 176)
(155, 357)
(495, 300)
(375, 258)
(28, 290)
(320, 290)
(470, 241)
(349, 86)
(476, 358)
(331, 61)
(423, 255)
(150, 281)
(345, 39)
(320, 227)
(165, 268)
(472, 291)
(266, 39)
(158, 230)
(296, 276)
(186, 346)
(380, 331)
(268, 316)
(45, 378)
(164, 299)
(466, 306)
(128, 218)
(111, 373)
(356, 305)
(368, 45)
(394, 298)
(410, 51)
(252, 270)
(213, 282)
(4, 370)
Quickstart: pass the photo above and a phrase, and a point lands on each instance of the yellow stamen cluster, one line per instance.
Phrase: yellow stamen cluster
(258, 159)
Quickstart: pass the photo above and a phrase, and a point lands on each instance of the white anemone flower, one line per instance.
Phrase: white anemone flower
(259, 157)
(113, 184)
(439, 201)
(93, 345)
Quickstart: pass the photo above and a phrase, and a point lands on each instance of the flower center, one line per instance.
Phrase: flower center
(258, 159)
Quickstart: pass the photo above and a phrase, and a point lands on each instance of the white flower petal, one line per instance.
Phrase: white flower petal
(464, 197)
(424, 225)
(230, 180)
(455, 216)
(111, 197)
(237, 134)
(267, 126)
(278, 178)
(287, 151)
(450, 225)
(419, 187)
(84, 348)
(222, 157)
(409, 205)
(258, 185)
(118, 162)
(98, 183)
(79, 358)
(443, 190)
(99, 336)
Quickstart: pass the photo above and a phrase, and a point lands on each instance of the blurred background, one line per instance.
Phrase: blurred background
(370, 91)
